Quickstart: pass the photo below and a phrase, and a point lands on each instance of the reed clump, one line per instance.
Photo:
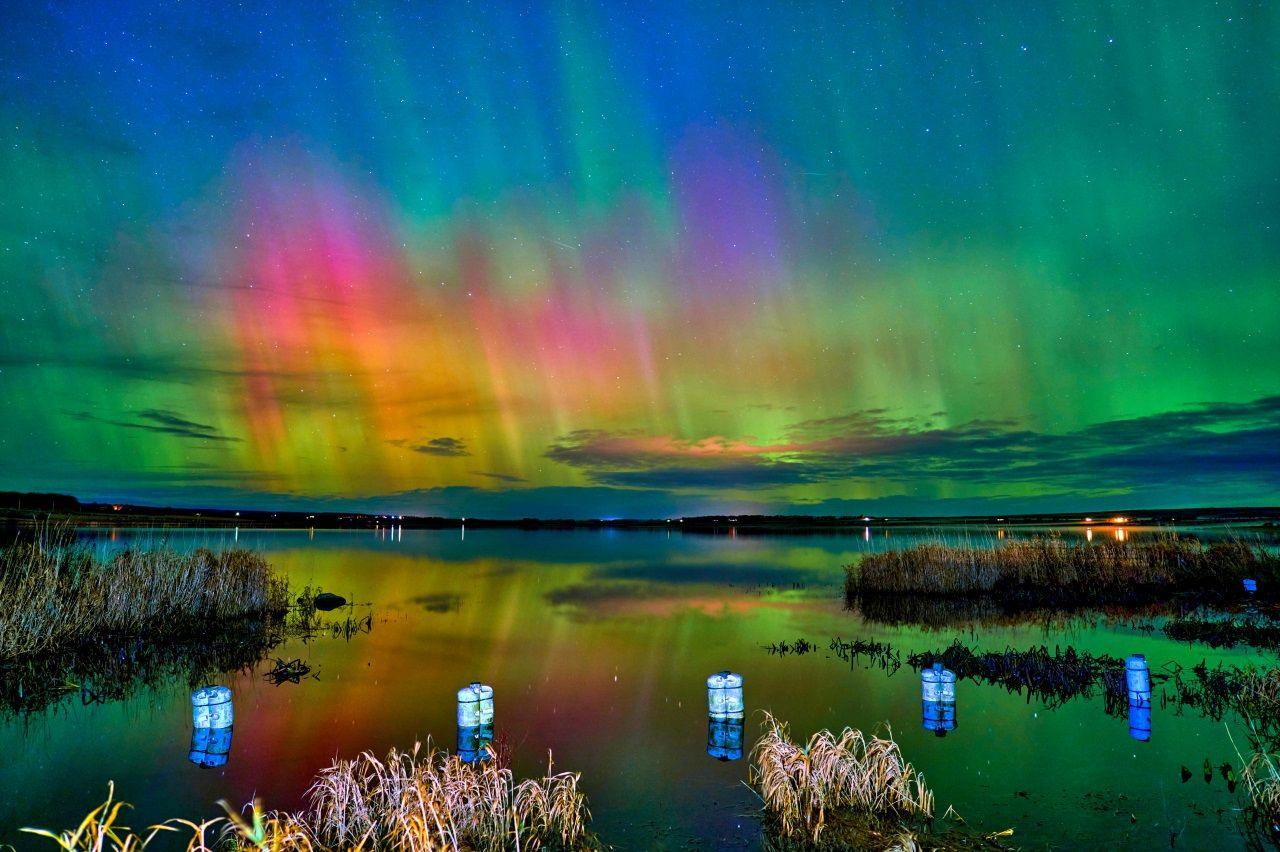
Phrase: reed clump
(56, 593)
(867, 653)
(112, 668)
(1251, 629)
(102, 831)
(1261, 815)
(433, 800)
(420, 800)
(1253, 692)
(1262, 781)
(806, 787)
(1259, 694)
(1050, 569)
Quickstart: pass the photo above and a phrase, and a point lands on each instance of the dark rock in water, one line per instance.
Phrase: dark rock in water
(326, 601)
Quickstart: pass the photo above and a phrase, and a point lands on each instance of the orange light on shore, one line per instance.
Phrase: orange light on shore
(1120, 520)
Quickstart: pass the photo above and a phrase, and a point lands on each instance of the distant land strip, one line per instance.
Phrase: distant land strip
(23, 507)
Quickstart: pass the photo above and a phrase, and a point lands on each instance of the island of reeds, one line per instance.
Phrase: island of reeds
(73, 617)
(1050, 571)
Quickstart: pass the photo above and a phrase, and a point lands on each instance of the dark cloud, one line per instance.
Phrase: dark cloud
(1217, 445)
(164, 422)
(632, 459)
(1214, 454)
(170, 420)
(444, 446)
(322, 389)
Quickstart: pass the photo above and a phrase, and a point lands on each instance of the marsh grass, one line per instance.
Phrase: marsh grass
(423, 799)
(1251, 692)
(798, 648)
(77, 622)
(867, 653)
(1262, 781)
(110, 669)
(56, 593)
(1261, 816)
(1050, 570)
(1258, 694)
(1057, 676)
(431, 799)
(1053, 677)
(1252, 629)
(805, 787)
(102, 830)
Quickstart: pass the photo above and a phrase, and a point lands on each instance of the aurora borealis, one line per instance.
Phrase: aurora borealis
(641, 259)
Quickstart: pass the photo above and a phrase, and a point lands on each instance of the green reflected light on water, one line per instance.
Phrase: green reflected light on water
(597, 645)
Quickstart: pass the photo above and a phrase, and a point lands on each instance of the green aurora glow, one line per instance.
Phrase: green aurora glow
(585, 259)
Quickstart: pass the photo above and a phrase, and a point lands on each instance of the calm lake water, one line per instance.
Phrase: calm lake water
(598, 645)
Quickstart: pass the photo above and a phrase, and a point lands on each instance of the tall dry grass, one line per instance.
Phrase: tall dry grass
(1262, 781)
(1258, 692)
(433, 800)
(806, 787)
(1253, 692)
(1049, 566)
(1262, 785)
(55, 592)
(416, 801)
(102, 831)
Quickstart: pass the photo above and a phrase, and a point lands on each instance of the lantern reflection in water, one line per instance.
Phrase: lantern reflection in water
(724, 738)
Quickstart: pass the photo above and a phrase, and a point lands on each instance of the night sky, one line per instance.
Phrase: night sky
(605, 259)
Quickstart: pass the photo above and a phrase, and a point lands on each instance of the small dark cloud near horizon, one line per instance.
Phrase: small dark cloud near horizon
(443, 446)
